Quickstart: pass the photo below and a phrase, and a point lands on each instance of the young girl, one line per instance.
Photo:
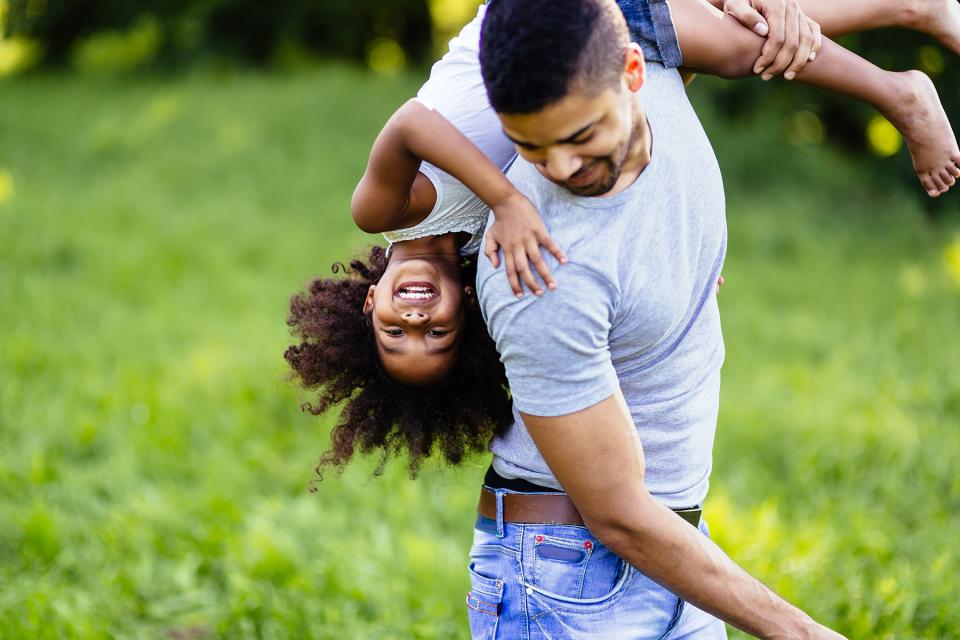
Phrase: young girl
(401, 338)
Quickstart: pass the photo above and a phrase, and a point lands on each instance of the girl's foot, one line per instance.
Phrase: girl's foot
(939, 18)
(919, 116)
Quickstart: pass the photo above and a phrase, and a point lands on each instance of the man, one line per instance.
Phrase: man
(615, 375)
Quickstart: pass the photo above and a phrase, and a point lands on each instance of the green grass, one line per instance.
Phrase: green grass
(154, 461)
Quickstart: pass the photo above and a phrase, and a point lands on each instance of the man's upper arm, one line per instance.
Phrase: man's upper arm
(555, 347)
(597, 458)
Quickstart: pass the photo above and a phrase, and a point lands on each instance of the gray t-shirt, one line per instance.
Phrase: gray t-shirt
(635, 306)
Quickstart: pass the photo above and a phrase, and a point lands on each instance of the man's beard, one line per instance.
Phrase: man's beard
(610, 166)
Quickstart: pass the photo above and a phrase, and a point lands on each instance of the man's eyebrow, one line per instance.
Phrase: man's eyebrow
(567, 140)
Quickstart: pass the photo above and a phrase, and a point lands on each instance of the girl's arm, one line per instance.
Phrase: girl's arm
(387, 196)
(390, 196)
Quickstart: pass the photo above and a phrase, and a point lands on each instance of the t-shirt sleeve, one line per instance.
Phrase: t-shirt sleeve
(555, 347)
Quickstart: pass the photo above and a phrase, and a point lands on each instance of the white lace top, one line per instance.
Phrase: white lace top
(457, 210)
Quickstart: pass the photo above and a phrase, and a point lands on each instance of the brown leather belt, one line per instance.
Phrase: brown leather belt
(546, 508)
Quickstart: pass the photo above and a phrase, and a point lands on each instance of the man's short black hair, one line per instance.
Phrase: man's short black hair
(534, 52)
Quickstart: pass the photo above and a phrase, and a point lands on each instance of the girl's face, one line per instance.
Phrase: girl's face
(417, 311)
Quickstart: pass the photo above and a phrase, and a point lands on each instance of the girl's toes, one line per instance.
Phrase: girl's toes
(947, 178)
(954, 170)
(928, 185)
(938, 185)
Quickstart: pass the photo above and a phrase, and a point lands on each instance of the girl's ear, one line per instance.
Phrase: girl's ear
(471, 295)
(368, 301)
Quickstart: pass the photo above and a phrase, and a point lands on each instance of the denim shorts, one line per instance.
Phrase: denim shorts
(553, 582)
(651, 26)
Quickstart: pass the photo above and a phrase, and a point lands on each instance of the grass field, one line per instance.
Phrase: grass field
(154, 461)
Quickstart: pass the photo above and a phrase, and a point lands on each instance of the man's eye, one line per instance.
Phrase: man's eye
(393, 332)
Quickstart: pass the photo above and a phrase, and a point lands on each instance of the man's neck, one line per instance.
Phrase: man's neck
(639, 152)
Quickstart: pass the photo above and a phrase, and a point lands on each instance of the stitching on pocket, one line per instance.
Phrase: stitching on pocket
(482, 606)
(585, 547)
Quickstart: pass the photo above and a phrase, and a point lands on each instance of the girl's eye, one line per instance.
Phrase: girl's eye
(436, 333)
(393, 332)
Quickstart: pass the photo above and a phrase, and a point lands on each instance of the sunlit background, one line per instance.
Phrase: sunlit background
(170, 173)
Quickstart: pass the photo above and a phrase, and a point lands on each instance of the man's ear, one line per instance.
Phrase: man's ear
(368, 301)
(634, 68)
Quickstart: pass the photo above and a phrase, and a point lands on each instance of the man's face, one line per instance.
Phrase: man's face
(579, 142)
(582, 141)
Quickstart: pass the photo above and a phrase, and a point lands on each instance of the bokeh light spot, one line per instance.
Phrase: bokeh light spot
(18, 54)
(952, 258)
(386, 56)
(805, 127)
(6, 186)
(447, 17)
(883, 138)
(931, 60)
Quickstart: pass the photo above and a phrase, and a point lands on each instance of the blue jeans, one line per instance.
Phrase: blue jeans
(651, 26)
(558, 582)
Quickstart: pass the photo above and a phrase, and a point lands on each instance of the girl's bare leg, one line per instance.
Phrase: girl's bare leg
(938, 18)
(718, 44)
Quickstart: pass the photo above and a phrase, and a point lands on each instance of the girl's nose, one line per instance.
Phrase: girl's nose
(414, 318)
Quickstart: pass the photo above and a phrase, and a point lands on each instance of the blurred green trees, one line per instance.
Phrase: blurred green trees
(119, 36)
(248, 31)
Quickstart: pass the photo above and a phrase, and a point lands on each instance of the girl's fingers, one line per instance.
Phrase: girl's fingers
(511, 270)
(553, 248)
(523, 270)
(534, 255)
(492, 251)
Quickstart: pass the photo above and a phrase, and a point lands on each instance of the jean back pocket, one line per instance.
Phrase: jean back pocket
(484, 605)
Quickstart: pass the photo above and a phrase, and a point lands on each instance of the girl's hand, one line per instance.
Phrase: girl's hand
(519, 232)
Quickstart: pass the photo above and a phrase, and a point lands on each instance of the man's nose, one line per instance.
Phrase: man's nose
(415, 318)
(560, 164)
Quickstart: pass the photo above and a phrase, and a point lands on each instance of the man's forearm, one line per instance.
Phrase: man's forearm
(597, 457)
(667, 549)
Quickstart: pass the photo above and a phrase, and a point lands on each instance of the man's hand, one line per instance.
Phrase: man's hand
(519, 231)
(793, 39)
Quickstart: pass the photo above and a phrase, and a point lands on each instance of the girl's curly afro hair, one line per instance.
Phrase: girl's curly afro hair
(337, 356)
